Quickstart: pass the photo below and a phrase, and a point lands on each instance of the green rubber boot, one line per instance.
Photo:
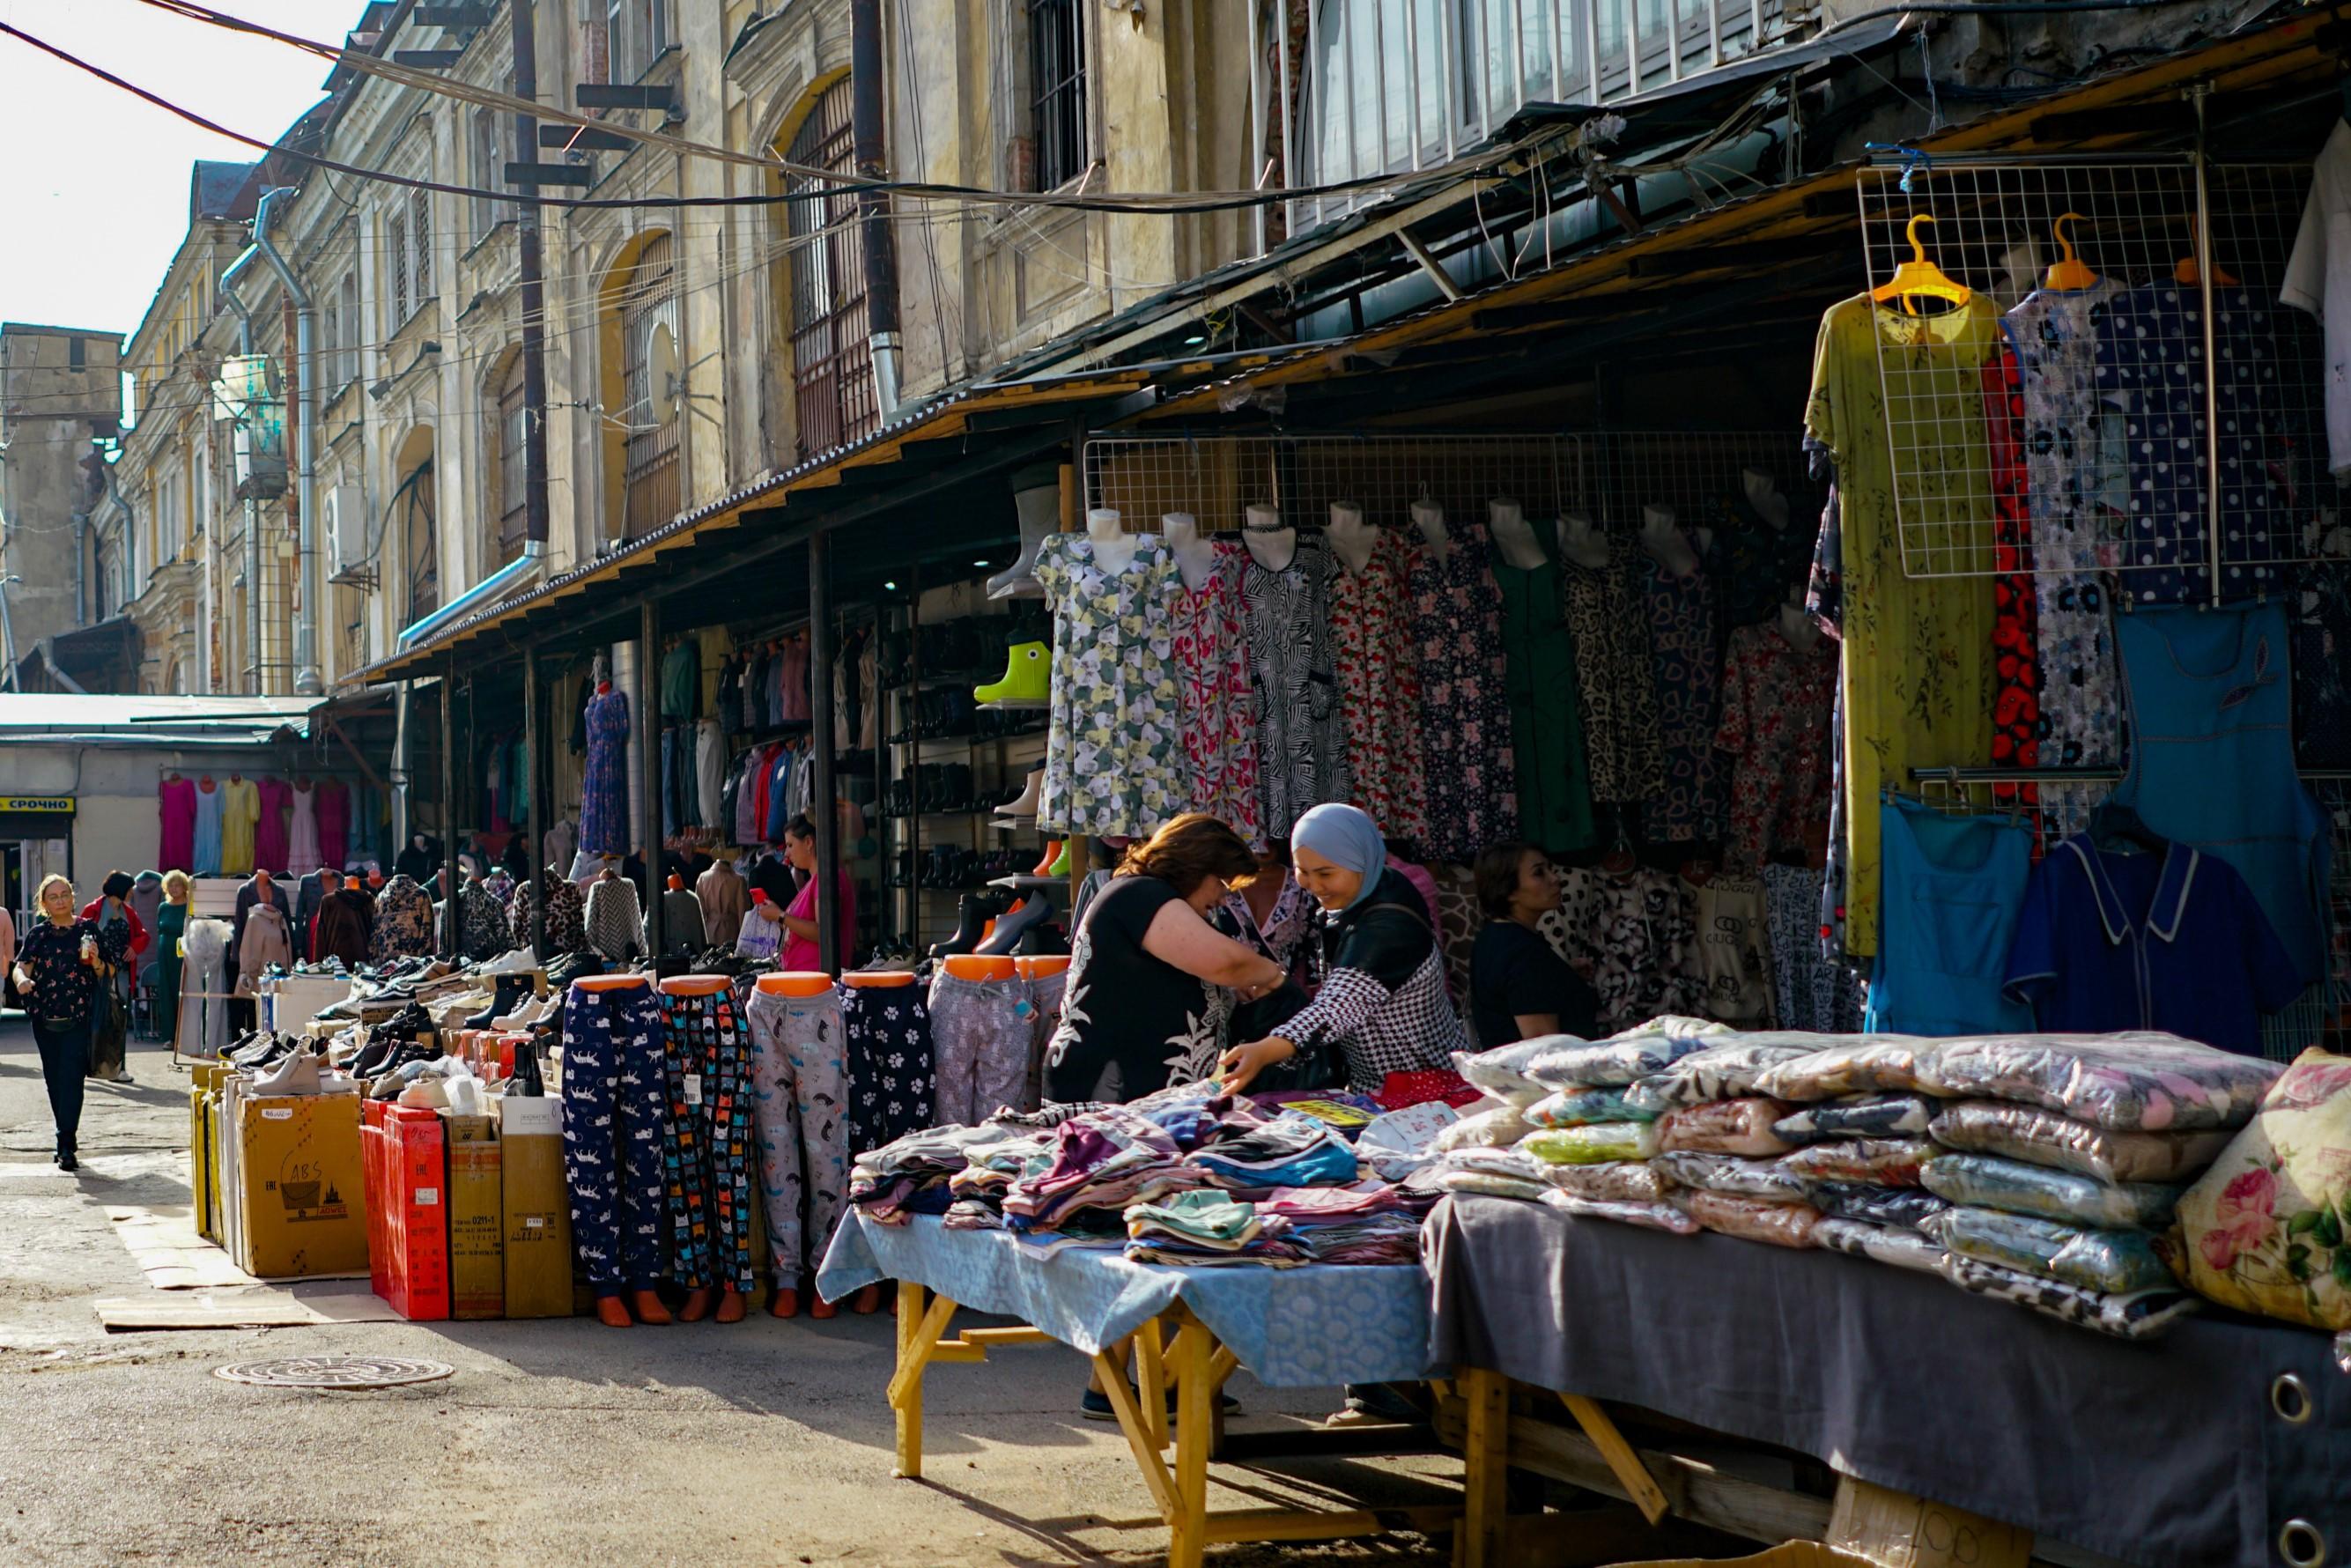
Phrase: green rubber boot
(1027, 676)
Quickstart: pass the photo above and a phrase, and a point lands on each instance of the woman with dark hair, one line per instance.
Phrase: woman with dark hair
(110, 1024)
(801, 949)
(1519, 987)
(1137, 1013)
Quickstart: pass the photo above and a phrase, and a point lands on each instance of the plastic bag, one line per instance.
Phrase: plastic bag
(1907, 1206)
(2268, 1229)
(1850, 1064)
(1889, 1162)
(1497, 1129)
(1618, 1181)
(1754, 1218)
(2138, 1083)
(1613, 1062)
(1733, 1173)
(1486, 1184)
(1987, 1181)
(2041, 1138)
(1653, 1216)
(1898, 1245)
(1591, 1146)
(1726, 1071)
(2114, 1261)
(1580, 1107)
(1724, 1128)
(1501, 1071)
(1859, 1116)
(2140, 1314)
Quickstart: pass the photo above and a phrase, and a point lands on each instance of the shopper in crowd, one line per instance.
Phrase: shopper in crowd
(1381, 1006)
(110, 1024)
(57, 970)
(1271, 913)
(1518, 985)
(345, 922)
(170, 924)
(802, 951)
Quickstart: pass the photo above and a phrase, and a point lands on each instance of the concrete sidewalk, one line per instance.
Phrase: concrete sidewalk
(556, 1443)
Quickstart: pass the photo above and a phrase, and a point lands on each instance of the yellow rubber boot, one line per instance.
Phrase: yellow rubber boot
(1027, 676)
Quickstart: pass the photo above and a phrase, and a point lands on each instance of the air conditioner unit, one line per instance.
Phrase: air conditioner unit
(344, 521)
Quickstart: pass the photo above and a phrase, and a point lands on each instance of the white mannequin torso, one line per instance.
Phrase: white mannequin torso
(1351, 539)
(1582, 543)
(1271, 543)
(1115, 548)
(1514, 536)
(1196, 558)
(1764, 495)
(1664, 543)
(1429, 519)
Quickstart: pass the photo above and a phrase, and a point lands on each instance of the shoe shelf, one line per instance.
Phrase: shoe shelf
(1015, 704)
(1029, 882)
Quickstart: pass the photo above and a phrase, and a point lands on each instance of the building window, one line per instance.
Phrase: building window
(346, 347)
(833, 358)
(395, 252)
(77, 354)
(422, 538)
(636, 32)
(513, 493)
(650, 350)
(489, 173)
(419, 235)
(1057, 81)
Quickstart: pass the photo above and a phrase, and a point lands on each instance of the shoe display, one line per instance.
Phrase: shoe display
(1034, 910)
(971, 923)
(1044, 866)
(1027, 676)
(297, 1075)
(1044, 940)
(511, 989)
(1040, 510)
(1023, 807)
(1060, 866)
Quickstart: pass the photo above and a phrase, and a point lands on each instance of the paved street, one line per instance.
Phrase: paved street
(555, 1443)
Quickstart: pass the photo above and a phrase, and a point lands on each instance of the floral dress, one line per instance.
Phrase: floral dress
(2016, 665)
(1775, 728)
(604, 794)
(1301, 749)
(1686, 653)
(1111, 762)
(1632, 938)
(1379, 687)
(1465, 716)
(1619, 684)
(1215, 702)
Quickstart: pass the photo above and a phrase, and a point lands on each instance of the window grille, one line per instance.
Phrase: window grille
(1057, 77)
(395, 249)
(513, 430)
(832, 360)
(649, 304)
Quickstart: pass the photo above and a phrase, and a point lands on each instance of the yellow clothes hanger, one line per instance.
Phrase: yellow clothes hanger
(2071, 273)
(2186, 271)
(1919, 277)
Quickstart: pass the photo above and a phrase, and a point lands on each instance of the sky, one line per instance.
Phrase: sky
(95, 186)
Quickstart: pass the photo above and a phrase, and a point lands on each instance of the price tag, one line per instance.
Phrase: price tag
(427, 1197)
(694, 1088)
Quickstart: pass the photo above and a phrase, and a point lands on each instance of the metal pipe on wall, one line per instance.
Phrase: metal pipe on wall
(869, 149)
(823, 810)
(228, 285)
(449, 808)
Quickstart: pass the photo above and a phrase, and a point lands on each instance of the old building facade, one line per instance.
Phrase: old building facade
(60, 397)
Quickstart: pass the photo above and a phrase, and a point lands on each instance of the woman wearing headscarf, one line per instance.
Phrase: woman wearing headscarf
(110, 1012)
(1381, 1006)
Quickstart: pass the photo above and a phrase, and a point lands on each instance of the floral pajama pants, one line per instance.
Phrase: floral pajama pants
(614, 1133)
(983, 1036)
(888, 1032)
(706, 1071)
(800, 1079)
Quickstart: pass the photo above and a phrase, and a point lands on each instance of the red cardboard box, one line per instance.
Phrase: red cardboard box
(371, 1168)
(413, 1200)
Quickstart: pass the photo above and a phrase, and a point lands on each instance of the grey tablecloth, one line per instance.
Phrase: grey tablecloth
(2166, 1455)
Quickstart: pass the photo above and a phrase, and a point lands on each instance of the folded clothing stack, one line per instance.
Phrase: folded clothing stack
(1207, 1229)
(914, 1174)
(1102, 1163)
(1370, 1222)
(1293, 1149)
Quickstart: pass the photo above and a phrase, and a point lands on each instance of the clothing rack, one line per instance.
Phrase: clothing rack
(1216, 478)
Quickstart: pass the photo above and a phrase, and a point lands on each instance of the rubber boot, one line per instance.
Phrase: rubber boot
(1039, 508)
(1060, 866)
(1007, 936)
(1027, 676)
(1054, 850)
(1025, 808)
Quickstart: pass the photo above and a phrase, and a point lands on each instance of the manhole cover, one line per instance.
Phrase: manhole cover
(335, 1372)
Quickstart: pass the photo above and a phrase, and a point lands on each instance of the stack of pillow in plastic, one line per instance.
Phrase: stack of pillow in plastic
(2049, 1170)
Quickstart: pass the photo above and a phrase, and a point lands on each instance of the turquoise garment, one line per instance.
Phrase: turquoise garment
(2211, 713)
(1952, 889)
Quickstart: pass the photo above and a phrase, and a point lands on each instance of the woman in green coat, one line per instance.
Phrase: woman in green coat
(171, 924)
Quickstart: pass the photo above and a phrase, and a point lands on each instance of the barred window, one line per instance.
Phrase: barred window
(513, 493)
(1056, 78)
(395, 253)
(419, 227)
(833, 354)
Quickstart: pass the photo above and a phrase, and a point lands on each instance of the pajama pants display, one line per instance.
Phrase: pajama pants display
(983, 1037)
(706, 1168)
(801, 1078)
(204, 983)
(613, 1134)
(1046, 992)
(888, 1032)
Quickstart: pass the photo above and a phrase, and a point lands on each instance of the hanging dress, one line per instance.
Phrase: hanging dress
(605, 795)
(1954, 888)
(1465, 716)
(1375, 658)
(1113, 762)
(302, 840)
(177, 804)
(1616, 679)
(269, 843)
(1554, 785)
(204, 849)
(334, 803)
(1301, 743)
(1216, 705)
(240, 814)
(1686, 656)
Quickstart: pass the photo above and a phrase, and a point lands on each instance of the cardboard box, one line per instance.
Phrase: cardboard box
(476, 1218)
(412, 1185)
(535, 1202)
(373, 1155)
(301, 1207)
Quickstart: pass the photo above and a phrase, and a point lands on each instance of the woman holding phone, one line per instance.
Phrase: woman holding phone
(57, 970)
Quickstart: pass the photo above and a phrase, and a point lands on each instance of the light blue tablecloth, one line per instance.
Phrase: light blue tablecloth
(1308, 1327)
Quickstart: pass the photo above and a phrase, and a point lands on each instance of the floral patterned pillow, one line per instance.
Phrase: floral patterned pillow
(2268, 1229)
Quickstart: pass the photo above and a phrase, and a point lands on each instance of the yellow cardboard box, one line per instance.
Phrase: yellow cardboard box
(302, 1198)
(476, 1218)
(537, 1206)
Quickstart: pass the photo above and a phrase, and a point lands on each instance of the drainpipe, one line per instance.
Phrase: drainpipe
(305, 492)
(228, 285)
(482, 592)
(868, 150)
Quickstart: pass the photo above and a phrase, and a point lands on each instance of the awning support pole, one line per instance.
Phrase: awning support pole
(534, 710)
(649, 786)
(822, 811)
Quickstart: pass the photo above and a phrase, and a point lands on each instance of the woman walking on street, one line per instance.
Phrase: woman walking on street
(57, 970)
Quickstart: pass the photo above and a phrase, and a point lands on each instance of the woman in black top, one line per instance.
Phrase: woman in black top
(1519, 986)
(58, 971)
(1136, 1015)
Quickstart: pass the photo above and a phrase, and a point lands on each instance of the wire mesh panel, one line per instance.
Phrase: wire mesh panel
(1699, 476)
(1217, 478)
(2042, 345)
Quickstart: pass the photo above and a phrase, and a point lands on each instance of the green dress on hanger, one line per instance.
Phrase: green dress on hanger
(1546, 727)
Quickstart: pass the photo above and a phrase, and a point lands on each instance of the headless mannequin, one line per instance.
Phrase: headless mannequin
(1582, 543)
(1664, 542)
(1764, 495)
(1351, 539)
(1270, 544)
(611, 1311)
(1115, 548)
(1799, 630)
(1196, 558)
(1514, 536)
(731, 1306)
(1429, 519)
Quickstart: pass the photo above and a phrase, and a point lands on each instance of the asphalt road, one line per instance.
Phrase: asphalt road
(556, 1443)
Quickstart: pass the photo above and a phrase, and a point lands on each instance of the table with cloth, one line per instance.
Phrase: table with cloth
(2228, 1441)
(1309, 1326)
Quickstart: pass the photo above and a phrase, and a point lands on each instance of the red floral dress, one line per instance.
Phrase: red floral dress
(1216, 708)
(1379, 688)
(2016, 669)
(1775, 724)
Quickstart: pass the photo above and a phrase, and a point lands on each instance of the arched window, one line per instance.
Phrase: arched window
(414, 507)
(832, 358)
(651, 363)
(508, 498)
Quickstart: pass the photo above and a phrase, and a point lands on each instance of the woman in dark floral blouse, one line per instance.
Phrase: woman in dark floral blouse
(58, 969)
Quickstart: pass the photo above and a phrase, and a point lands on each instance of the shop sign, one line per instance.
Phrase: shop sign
(11, 805)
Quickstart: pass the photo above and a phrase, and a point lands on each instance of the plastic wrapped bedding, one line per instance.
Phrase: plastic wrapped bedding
(1653, 1216)
(2115, 1262)
(1618, 1181)
(1486, 1184)
(1496, 1129)
(2133, 1082)
(1753, 1218)
(1898, 1245)
(1731, 1173)
(1889, 1162)
(1905, 1208)
(1988, 1181)
(1614, 1062)
(1724, 1128)
(1726, 1071)
(2268, 1229)
(2041, 1138)
(1501, 1071)
(1498, 1173)
(2138, 1314)
(1581, 1107)
(1859, 1116)
(1850, 1064)
(1595, 1145)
